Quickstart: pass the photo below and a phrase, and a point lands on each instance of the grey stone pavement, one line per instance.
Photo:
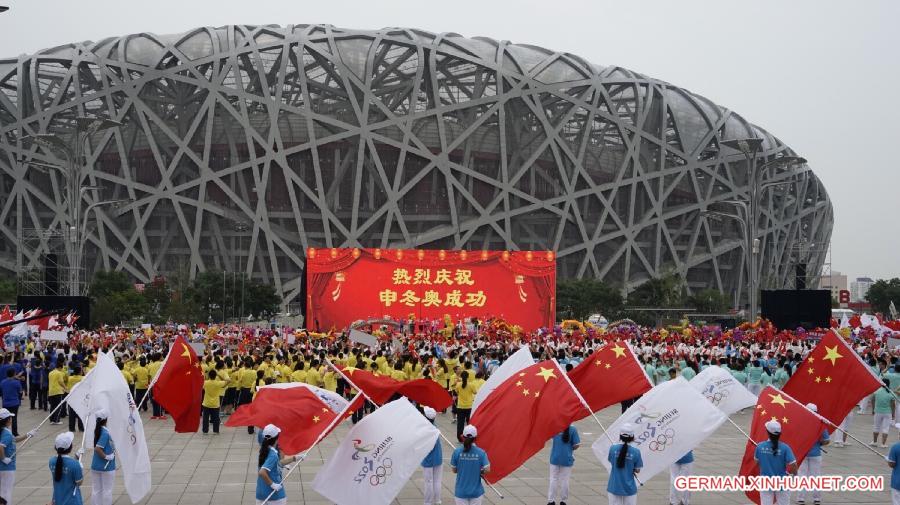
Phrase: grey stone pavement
(196, 469)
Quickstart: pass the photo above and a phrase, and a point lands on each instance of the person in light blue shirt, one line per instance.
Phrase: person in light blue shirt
(625, 463)
(812, 463)
(8, 454)
(66, 472)
(562, 459)
(469, 463)
(680, 468)
(892, 459)
(268, 479)
(103, 464)
(775, 459)
(754, 375)
(432, 466)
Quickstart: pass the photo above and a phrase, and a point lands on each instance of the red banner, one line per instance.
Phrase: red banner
(346, 285)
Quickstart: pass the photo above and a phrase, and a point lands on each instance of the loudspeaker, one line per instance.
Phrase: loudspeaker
(800, 281)
(792, 308)
(51, 274)
(81, 305)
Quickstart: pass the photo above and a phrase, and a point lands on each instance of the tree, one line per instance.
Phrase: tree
(662, 292)
(8, 291)
(882, 293)
(708, 301)
(114, 299)
(579, 298)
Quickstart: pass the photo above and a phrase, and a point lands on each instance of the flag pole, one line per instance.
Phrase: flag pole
(860, 442)
(741, 430)
(354, 386)
(63, 402)
(588, 407)
(154, 379)
(302, 456)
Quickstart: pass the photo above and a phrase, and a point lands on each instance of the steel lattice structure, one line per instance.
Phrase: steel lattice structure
(244, 145)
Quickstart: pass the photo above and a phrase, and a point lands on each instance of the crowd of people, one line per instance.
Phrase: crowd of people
(238, 360)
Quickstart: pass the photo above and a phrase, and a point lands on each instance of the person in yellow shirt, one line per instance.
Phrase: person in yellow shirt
(330, 380)
(153, 369)
(313, 377)
(73, 379)
(213, 389)
(397, 373)
(229, 399)
(299, 374)
(56, 390)
(129, 379)
(247, 381)
(141, 382)
(382, 363)
(465, 397)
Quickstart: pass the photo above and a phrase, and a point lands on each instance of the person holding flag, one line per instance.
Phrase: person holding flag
(812, 463)
(103, 464)
(65, 472)
(626, 464)
(884, 411)
(892, 459)
(775, 459)
(562, 459)
(469, 463)
(8, 454)
(432, 466)
(268, 480)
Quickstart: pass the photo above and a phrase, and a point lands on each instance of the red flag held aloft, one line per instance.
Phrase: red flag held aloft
(301, 413)
(833, 377)
(179, 386)
(516, 419)
(610, 375)
(800, 428)
(381, 388)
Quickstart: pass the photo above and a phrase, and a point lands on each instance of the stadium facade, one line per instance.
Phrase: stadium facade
(242, 146)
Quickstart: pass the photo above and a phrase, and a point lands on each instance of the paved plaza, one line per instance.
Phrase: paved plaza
(196, 469)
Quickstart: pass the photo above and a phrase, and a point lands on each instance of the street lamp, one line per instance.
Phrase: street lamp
(73, 150)
(750, 148)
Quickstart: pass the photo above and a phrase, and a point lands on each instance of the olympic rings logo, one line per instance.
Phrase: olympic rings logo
(382, 472)
(718, 397)
(662, 440)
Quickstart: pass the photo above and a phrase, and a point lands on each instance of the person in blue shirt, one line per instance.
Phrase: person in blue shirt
(66, 472)
(812, 463)
(625, 463)
(562, 459)
(775, 459)
(432, 466)
(103, 464)
(8, 454)
(37, 383)
(680, 468)
(268, 480)
(12, 391)
(892, 458)
(469, 463)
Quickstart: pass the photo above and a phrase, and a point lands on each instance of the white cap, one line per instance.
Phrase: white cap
(627, 429)
(470, 431)
(430, 413)
(812, 407)
(102, 414)
(5, 414)
(773, 427)
(271, 431)
(64, 440)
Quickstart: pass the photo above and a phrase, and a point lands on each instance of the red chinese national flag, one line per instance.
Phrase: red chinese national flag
(380, 388)
(179, 386)
(800, 428)
(833, 377)
(298, 410)
(526, 410)
(611, 375)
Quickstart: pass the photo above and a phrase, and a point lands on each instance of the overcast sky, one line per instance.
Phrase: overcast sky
(823, 76)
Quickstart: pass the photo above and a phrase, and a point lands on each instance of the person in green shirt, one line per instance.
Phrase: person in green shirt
(651, 371)
(739, 374)
(688, 371)
(782, 375)
(754, 377)
(884, 410)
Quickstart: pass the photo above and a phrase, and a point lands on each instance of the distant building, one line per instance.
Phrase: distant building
(859, 288)
(835, 281)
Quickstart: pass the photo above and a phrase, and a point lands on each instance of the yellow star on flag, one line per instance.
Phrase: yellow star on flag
(525, 392)
(608, 366)
(827, 379)
(620, 351)
(831, 354)
(350, 369)
(537, 393)
(810, 370)
(818, 380)
(546, 373)
(784, 420)
(598, 363)
(779, 400)
(519, 383)
(316, 419)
